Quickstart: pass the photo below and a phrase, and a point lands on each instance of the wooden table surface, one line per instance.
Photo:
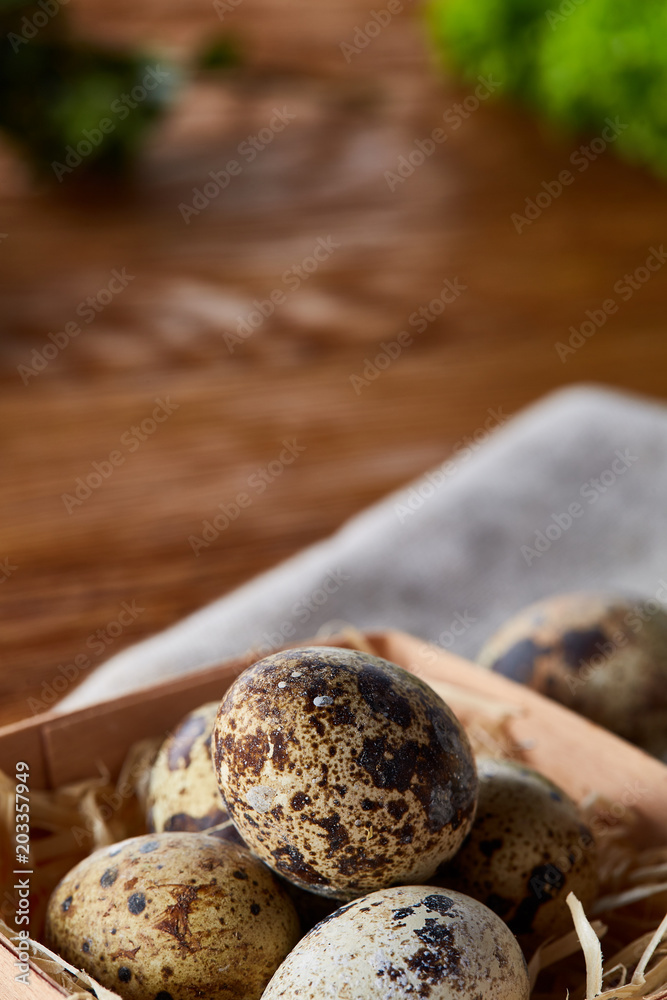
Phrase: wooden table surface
(67, 568)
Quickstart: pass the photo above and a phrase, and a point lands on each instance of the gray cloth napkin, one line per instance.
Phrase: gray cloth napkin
(569, 494)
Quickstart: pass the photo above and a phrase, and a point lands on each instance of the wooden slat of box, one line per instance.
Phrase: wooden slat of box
(66, 748)
(39, 987)
(62, 749)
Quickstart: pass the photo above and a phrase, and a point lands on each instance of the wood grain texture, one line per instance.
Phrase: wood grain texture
(163, 336)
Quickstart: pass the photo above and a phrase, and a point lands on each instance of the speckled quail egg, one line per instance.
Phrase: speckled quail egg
(173, 916)
(183, 793)
(409, 941)
(602, 655)
(527, 850)
(342, 771)
(310, 907)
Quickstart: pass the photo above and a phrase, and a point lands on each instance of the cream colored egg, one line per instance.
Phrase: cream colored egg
(410, 941)
(527, 850)
(342, 771)
(173, 916)
(183, 793)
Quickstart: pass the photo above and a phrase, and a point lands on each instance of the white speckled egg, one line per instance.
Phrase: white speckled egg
(342, 771)
(602, 655)
(409, 941)
(527, 850)
(173, 916)
(183, 793)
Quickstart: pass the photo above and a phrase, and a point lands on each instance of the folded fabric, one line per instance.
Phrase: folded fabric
(570, 494)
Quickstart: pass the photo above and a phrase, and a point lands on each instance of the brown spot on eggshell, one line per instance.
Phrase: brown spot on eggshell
(519, 661)
(174, 920)
(183, 793)
(289, 861)
(183, 823)
(336, 832)
(602, 655)
(308, 740)
(122, 953)
(397, 808)
(188, 921)
(227, 831)
(405, 942)
(580, 645)
(183, 740)
(526, 851)
(381, 696)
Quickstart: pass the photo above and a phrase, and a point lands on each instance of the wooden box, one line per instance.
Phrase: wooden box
(579, 756)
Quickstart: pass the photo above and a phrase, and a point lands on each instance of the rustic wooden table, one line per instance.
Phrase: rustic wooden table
(233, 393)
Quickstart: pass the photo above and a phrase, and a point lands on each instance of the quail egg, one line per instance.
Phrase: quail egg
(184, 796)
(526, 851)
(342, 771)
(409, 941)
(602, 655)
(183, 793)
(173, 916)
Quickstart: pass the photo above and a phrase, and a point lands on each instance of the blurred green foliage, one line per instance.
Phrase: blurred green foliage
(221, 53)
(77, 109)
(577, 62)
